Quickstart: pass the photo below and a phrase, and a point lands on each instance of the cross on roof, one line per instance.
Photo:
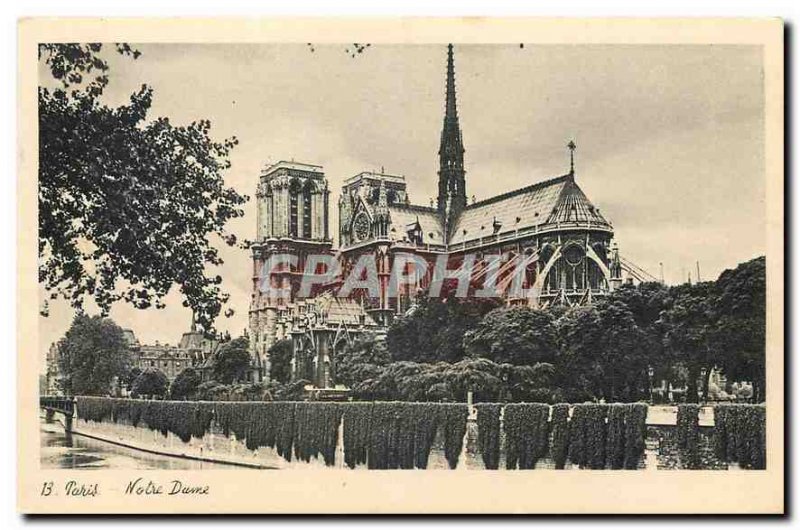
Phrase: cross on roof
(571, 145)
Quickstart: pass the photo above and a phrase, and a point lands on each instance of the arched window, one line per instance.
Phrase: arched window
(307, 210)
(294, 191)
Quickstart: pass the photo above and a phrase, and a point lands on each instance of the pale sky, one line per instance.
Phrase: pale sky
(670, 138)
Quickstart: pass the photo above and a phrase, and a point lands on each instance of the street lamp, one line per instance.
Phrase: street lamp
(650, 372)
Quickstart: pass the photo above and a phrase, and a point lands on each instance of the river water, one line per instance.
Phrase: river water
(62, 451)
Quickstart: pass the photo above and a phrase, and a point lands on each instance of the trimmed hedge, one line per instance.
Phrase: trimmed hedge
(357, 418)
(559, 444)
(588, 435)
(615, 436)
(688, 435)
(453, 423)
(740, 434)
(635, 433)
(400, 435)
(526, 429)
(489, 433)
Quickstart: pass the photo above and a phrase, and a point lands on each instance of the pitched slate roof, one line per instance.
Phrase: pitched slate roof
(554, 201)
(403, 217)
(340, 310)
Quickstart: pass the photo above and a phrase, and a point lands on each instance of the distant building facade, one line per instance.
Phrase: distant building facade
(194, 350)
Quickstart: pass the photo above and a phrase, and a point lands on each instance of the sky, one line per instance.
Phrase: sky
(670, 137)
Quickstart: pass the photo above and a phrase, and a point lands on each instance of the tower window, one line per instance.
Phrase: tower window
(307, 212)
(292, 214)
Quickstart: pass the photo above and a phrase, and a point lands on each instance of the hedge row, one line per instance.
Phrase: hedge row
(740, 434)
(526, 429)
(598, 436)
(688, 435)
(489, 433)
(382, 435)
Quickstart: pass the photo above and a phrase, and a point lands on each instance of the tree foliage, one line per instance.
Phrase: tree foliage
(280, 361)
(129, 204)
(151, 382)
(232, 361)
(91, 354)
(517, 335)
(739, 335)
(434, 331)
(361, 360)
(185, 384)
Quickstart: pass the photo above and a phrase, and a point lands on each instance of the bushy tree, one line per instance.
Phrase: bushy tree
(129, 204)
(434, 331)
(185, 384)
(130, 376)
(686, 326)
(280, 361)
(601, 353)
(151, 383)
(516, 335)
(232, 361)
(91, 354)
(361, 360)
(739, 332)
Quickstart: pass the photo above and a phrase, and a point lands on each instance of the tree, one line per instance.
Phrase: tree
(601, 353)
(129, 204)
(739, 332)
(151, 383)
(91, 354)
(361, 360)
(517, 335)
(130, 376)
(232, 361)
(686, 326)
(280, 359)
(185, 384)
(434, 331)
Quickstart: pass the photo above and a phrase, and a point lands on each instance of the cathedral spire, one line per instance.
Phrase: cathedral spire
(452, 187)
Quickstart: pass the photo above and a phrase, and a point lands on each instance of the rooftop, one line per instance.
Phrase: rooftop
(292, 165)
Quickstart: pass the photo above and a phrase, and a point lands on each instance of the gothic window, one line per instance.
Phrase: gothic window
(294, 189)
(307, 212)
(293, 215)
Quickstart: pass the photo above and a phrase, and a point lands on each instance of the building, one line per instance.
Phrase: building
(543, 244)
(194, 349)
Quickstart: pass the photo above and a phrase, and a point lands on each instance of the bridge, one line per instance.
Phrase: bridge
(58, 404)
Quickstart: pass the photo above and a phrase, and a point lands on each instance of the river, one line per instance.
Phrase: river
(62, 451)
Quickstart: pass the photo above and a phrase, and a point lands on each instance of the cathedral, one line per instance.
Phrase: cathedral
(543, 244)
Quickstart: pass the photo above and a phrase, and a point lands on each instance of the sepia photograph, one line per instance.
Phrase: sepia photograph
(436, 253)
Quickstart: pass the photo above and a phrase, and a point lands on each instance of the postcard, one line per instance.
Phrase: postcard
(507, 266)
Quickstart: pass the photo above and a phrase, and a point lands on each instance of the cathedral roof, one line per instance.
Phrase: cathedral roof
(404, 217)
(551, 202)
(341, 310)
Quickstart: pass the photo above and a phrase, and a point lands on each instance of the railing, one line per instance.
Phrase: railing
(62, 404)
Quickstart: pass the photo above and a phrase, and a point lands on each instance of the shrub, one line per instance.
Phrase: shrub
(356, 418)
(489, 433)
(615, 437)
(688, 435)
(635, 433)
(526, 428)
(588, 435)
(151, 382)
(740, 434)
(185, 384)
(560, 439)
(453, 421)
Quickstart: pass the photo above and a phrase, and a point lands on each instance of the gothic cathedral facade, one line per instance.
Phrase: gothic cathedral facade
(543, 244)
